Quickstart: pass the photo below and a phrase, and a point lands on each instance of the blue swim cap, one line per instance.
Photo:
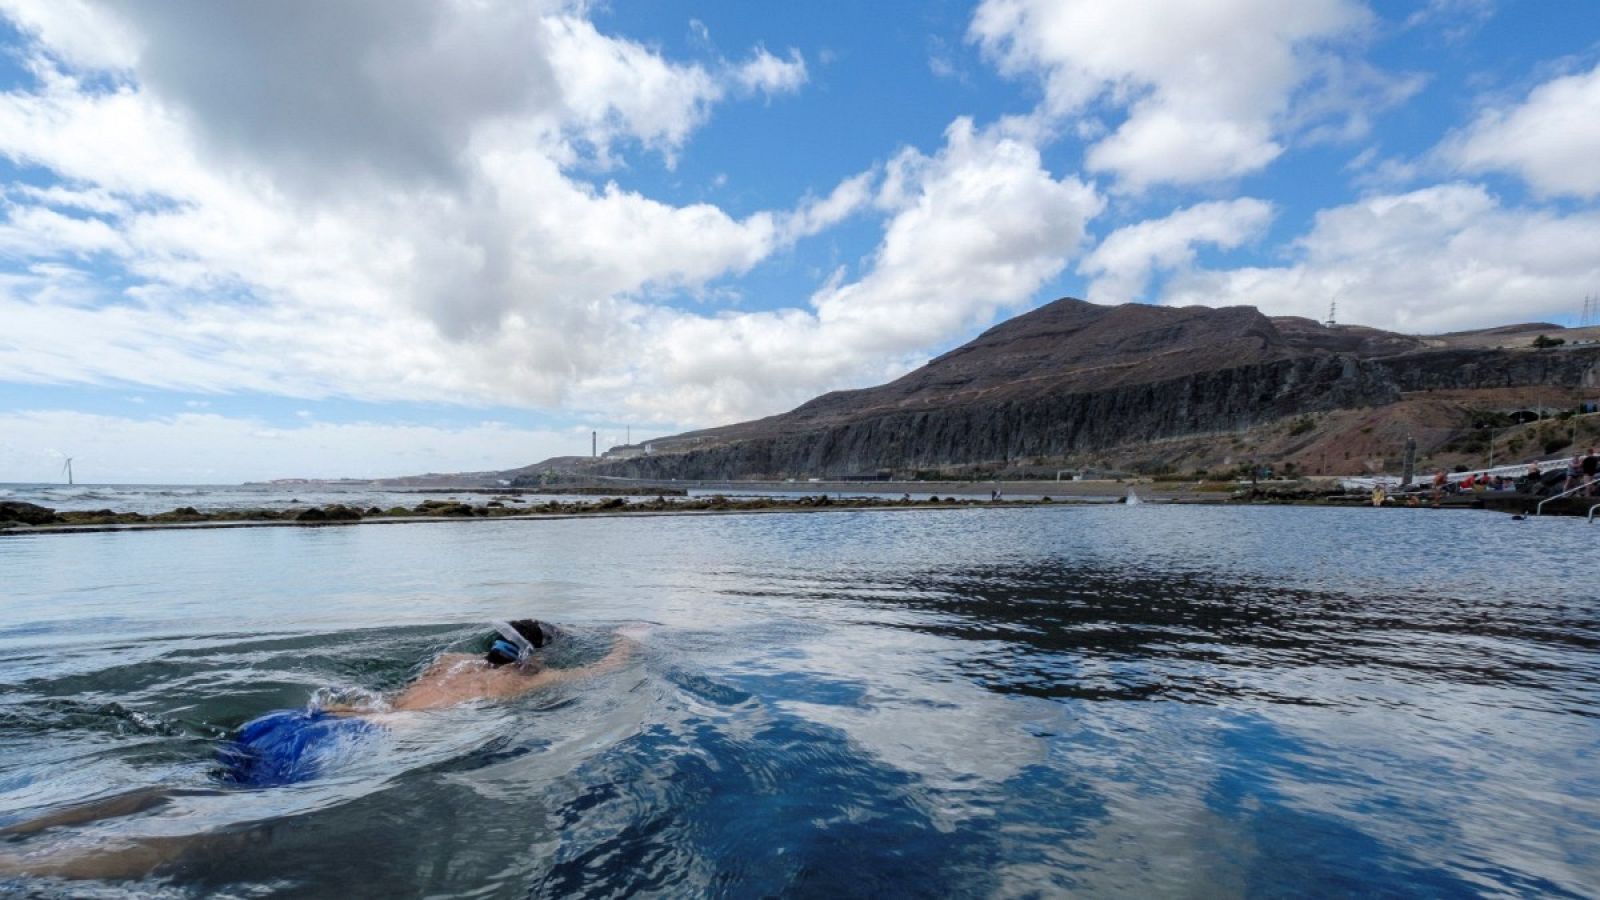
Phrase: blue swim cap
(520, 639)
(502, 652)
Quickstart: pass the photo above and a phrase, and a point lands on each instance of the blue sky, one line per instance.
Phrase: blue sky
(244, 242)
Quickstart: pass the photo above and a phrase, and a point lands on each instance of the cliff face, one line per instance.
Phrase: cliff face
(1068, 346)
(1454, 369)
(1073, 377)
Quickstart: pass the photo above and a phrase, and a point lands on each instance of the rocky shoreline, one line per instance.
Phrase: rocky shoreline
(28, 518)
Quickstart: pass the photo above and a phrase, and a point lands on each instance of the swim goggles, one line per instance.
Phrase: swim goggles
(511, 644)
(503, 649)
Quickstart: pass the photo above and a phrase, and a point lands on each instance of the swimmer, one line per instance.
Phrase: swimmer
(292, 746)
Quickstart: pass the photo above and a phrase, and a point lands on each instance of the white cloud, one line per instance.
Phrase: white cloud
(615, 87)
(976, 229)
(1207, 85)
(817, 215)
(78, 31)
(1551, 140)
(393, 90)
(209, 448)
(1455, 19)
(38, 232)
(1442, 258)
(93, 200)
(468, 264)
(391, 215)
(1123, 263)
(1161, 143)
(767, 74)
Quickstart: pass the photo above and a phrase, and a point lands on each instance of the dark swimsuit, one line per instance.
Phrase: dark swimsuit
(289, 746)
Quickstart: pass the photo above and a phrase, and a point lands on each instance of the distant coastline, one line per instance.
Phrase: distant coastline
(453, 512)
(17, 518)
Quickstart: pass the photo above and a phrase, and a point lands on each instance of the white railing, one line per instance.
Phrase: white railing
(1513, 471)
(1423, 480)
(1539, 510)
(1591, 512)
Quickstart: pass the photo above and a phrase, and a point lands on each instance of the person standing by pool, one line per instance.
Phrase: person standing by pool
(1574, 473)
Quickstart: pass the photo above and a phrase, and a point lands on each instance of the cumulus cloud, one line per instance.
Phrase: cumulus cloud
(206, 448)
(1551, 140)
(1437, 259)
(381, 202)
(767, 74)
(399, 90)
(978, 227)
(1207, 86)
(820, 214)
(975, 229)
(616, 88)
(77, 31)
(422, 253)
(1123, 263)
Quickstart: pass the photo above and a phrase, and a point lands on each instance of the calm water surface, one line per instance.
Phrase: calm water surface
(1121, 701)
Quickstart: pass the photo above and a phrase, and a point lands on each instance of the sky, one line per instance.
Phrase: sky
(243, 241)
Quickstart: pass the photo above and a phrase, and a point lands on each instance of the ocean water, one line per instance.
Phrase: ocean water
(1140, 701)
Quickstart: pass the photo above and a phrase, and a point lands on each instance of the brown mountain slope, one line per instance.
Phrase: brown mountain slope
(1072, 378)
(1066, 346)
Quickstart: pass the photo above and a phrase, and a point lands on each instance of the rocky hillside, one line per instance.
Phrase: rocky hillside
(1072, 379)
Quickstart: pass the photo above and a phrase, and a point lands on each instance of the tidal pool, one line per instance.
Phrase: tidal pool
(1137, 701)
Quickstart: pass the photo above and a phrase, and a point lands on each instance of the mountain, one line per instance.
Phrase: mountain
(1073, 382)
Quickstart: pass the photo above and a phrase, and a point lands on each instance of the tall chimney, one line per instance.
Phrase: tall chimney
(594, 445)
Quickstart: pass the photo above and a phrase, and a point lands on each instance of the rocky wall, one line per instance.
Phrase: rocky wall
(1057, 425)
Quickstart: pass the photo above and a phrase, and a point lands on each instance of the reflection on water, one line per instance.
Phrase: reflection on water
(1143, 701)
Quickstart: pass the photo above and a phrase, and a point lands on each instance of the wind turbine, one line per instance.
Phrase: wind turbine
(67, 468)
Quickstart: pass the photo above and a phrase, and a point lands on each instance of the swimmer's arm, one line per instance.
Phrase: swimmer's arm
(108, 808)
(621, 650)
(433, 690)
